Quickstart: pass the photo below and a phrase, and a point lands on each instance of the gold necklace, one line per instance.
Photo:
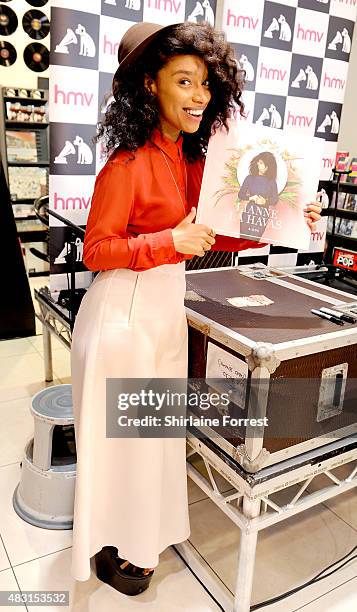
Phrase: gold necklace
(174, 180)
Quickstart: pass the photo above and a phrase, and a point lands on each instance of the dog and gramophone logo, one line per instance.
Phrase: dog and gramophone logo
(130, 10)
(74, 38)
(328, 120)
(247, 60)
(72, 150)
(339, 39)
(305, 76)
(323, 6)
(200, 10)
(269, 110)
(278, 26)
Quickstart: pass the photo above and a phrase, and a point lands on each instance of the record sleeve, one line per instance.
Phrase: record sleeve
(257, 181)
(21, 146)
(27, 183)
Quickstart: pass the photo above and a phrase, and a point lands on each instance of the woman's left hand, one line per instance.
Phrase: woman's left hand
(312, 214)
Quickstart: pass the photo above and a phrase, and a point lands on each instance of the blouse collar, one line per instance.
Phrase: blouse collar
(171, 148)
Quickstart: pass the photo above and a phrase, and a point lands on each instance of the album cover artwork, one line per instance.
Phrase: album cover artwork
(257, 181)
(27, 183)
(21, 146)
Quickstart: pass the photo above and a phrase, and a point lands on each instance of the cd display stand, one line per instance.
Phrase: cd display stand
(24, 148)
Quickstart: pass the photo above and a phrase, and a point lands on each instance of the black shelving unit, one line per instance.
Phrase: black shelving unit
(13, 110)
(336, 240)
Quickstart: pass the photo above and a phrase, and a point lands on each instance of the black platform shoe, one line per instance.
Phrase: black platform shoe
(108, 570)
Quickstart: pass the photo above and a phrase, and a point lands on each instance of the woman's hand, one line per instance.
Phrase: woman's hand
(258, 199)
(192, 239)
(312, 214)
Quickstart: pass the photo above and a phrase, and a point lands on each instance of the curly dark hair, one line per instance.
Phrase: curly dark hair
(133, 114)
(269, 161)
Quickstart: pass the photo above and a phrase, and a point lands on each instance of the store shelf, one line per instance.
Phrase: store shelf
(343, 213)
(344, 187)
(21, 124)
(24, 163)
(40, 101)
(340, 237)
(23, 201)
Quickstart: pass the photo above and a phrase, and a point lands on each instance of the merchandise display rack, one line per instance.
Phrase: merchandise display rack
(333, 189)
(29, 228)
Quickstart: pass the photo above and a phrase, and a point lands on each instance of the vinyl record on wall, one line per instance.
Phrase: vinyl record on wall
(37, 2)
(36, 57)
(8, 21)
(36, 24)
(8, 53)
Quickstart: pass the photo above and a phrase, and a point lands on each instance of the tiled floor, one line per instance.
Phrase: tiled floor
(288, 554)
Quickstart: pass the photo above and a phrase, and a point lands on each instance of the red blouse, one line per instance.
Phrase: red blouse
(136, 204)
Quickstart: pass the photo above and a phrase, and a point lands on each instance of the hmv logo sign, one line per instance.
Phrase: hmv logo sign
(305, 76)
(241, 21)
(72, 149)
(269, 110)
(328, 121)
(71, 203)
(278, 26)
(130, 10)
(75, 35)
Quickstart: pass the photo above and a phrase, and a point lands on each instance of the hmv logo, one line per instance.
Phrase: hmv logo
(84, 42)
(272, 74)
(246, 22)
(298, 121)
(109, 47)
(71, 203)
(84, 152)
(308, 35)
(333, 82)
(169, 6)
(72, 98)
(340, 42)
(328, 162)
(317, 236)
(279, 28)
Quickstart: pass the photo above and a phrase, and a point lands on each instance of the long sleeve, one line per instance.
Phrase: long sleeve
(107, 243)
(245, 192)
(273, 195)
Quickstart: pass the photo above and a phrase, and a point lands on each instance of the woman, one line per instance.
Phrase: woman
(173, 85)
(258, 192)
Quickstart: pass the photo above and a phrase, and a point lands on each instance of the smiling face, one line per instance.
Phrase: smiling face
(262, 168)
(182, 90)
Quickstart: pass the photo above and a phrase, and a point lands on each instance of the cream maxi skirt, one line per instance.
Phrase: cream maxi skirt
(130, 493)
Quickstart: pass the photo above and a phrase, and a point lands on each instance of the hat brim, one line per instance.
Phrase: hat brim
(140, 48)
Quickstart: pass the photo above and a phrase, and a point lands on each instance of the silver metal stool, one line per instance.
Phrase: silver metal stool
(45, 495)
